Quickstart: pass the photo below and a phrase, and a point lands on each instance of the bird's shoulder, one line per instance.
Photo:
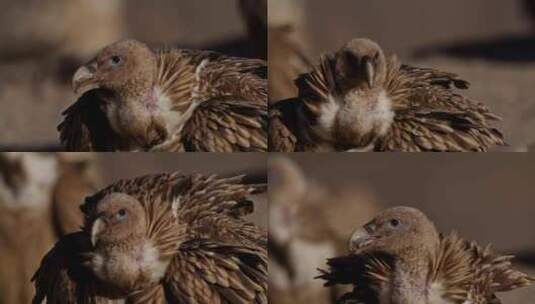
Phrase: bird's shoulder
(227, 124)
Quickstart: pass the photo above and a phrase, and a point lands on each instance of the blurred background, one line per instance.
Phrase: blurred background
(40, 194)
(42, 42)
(490, 43)
(317, 200)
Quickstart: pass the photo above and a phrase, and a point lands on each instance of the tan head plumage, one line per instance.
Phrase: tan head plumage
(115, 218)
(397, 231)
(360, 63)
(124, 67)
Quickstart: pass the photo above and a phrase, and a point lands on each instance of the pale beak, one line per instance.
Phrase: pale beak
(84, 79)
(96, 230)
(359, 239)
(370, 72)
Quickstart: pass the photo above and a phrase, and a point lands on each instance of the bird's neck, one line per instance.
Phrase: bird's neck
(137, 90)
(409, 284)
(129, 265)
(133, 115)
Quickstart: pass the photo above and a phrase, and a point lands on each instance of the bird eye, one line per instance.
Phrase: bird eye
(121, 214)
(115, 60)
(351, 58)
(394, 223)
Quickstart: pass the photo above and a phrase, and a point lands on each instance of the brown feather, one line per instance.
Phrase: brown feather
(194, 222)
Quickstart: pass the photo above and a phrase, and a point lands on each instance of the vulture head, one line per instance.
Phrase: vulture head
(125, 67)
(398, 231)
(116, 218)
(360, 64)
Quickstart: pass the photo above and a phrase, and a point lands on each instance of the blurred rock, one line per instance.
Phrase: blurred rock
(308, 222)
(49, 28)
(33, 99)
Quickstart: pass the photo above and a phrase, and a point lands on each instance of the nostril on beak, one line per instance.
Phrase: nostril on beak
(358, 239)
(84, 78)
(369, 228)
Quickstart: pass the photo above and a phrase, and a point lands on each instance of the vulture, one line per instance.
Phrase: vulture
(26, 230)
(399, 257)
(286, 47)
(78, 177)
(164, 238)
(38, 203)
(309, 223)
(358, 99)
(134, 98)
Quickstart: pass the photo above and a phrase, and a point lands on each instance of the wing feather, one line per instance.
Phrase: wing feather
(431, 116)
(210, 272)
(60, 278)
(227, 125)
(85, 126)
(283, 126)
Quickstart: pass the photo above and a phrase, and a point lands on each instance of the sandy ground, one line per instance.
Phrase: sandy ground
(488, 198)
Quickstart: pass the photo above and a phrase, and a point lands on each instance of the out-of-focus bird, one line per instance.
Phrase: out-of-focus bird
(39, 196)
(170, 100)
(357, 99)
(287, 60)
(286, 47)
(161, 238)
(309, 223)
(78, 177)
(399, 257)
(26, 230)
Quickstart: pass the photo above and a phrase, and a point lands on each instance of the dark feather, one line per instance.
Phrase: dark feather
(85, 126)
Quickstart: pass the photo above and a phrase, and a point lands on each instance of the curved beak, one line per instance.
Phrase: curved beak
(360, 239)
(369, 72)
(96, 230)
(84, 79)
